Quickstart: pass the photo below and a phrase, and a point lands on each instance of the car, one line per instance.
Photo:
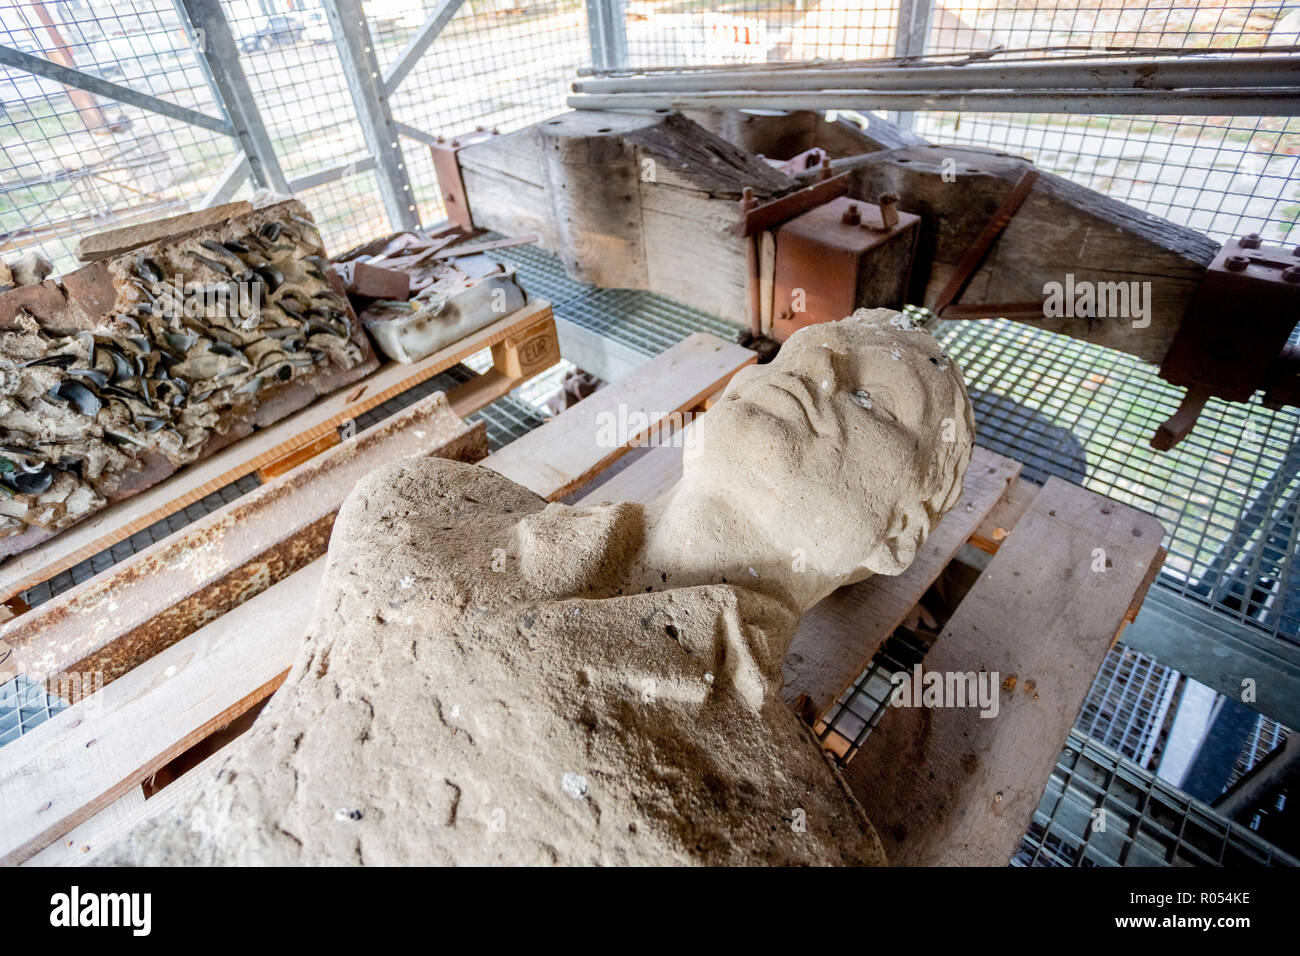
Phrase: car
(317, 29)
(278, 30)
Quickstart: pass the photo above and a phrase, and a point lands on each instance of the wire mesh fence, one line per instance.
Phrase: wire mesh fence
(74, 162)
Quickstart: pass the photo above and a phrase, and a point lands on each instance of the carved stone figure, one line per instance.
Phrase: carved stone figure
(490, 678)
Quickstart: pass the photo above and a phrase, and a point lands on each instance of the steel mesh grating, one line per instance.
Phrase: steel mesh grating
(1228, 496)
(1100, 809)
(643, 321)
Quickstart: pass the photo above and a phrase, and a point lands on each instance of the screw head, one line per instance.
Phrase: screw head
(1236, 263)
(1250, 241)
(1291, 274)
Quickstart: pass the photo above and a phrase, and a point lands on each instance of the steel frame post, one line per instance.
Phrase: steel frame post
(220, 58)
(913, 32)
(607, 27)
(361, 68)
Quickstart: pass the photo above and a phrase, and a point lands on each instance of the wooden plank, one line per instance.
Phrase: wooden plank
(75, 847)
(561, 455)
(67, 770)
(112, 242)
(118, 522)
(652, 474)
(191, 577)
(944, 786)
(997, 524)
(837, 638)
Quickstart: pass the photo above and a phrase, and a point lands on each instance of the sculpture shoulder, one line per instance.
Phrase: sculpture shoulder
(427, 487)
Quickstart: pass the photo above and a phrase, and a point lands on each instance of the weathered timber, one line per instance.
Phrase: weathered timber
(632, 201)
(1062, 229)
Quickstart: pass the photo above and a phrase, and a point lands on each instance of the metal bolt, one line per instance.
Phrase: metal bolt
(1249, 242)
(1236, 263)
(1291, 274)
(851, 215)
(889, 210)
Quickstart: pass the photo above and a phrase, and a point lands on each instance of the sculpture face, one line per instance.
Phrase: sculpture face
(861, 425)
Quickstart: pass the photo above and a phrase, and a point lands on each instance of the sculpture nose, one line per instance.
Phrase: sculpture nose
(821, 365)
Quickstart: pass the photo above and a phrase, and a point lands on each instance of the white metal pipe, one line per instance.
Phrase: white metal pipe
(1217, 72)
(1191, 102)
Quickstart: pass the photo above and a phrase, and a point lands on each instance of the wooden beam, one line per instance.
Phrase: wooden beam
(561, 455)
(629, 201)
(1061, 229)
(65, 772)
(944, 786)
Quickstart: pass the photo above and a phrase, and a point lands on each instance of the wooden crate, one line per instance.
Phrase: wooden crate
(71, 786)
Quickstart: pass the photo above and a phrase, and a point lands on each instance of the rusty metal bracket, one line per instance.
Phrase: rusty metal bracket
(446, 165)
(1233, 340)
(980, 247)
(757, 218)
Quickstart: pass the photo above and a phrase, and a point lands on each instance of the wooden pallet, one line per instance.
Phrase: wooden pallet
(523, 344)
(68, 788)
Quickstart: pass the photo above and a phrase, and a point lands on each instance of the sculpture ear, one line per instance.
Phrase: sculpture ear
(908, 527)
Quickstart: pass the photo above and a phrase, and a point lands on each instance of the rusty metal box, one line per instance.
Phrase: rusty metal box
(1239, 322)
(836, 258)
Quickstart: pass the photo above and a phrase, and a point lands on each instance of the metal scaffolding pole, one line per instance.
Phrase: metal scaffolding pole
(230, 86)
(607, 25)
(1273, 101)
(1153, 75)
(361, 68)
(913, 32)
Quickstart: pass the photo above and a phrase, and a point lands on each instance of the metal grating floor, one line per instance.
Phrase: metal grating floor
(1228, 496)
(1101, 809)
(643, 321)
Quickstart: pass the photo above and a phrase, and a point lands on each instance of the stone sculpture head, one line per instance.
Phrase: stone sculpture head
(850, 444)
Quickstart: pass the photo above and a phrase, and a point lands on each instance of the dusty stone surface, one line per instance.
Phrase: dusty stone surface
(489, 678)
